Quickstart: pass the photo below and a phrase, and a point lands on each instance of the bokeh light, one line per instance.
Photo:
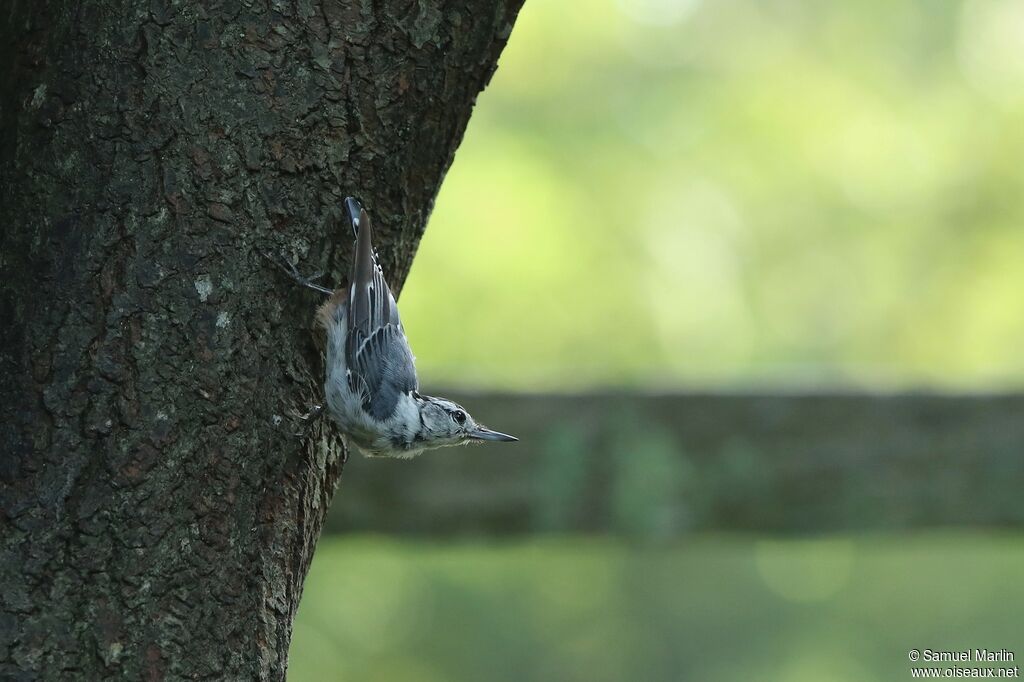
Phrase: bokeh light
(729, 193)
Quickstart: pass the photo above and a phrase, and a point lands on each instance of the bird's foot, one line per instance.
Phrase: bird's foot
(307, 420)
(294, 273)
(314, 413)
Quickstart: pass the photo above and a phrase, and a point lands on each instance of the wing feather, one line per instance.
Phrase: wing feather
(376, 349)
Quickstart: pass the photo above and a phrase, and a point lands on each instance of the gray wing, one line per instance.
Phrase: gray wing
(376, 349)
(384, 366)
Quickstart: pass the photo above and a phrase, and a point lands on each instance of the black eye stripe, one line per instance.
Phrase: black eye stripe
(459, 416)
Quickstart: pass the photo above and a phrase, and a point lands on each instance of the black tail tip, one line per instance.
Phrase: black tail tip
(353, 207)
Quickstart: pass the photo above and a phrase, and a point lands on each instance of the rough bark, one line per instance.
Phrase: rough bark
(159, 512)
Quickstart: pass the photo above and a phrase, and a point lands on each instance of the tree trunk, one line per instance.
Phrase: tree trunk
(161, 501)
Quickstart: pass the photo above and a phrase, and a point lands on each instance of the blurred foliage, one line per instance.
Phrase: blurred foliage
(656, 467)
(561, 478)
(722, 192)
(735, 191)
(649, 482)
(718, 608)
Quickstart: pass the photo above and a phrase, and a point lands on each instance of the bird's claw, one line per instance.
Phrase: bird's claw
(314, 412)
(307, 419)
(294, 273)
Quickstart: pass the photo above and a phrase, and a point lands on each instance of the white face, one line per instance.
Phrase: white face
(446, 423)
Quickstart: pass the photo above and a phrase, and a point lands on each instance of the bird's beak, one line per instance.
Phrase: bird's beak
(483, 433)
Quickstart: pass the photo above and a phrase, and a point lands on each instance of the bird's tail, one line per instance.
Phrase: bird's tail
(332, 315)
(353, 208)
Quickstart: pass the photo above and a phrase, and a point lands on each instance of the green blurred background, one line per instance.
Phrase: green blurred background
(661, 196)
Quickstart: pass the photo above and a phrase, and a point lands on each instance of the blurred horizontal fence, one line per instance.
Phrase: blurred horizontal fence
(659, 466)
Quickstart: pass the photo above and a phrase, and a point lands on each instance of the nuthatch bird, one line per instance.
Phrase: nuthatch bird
(371, 386)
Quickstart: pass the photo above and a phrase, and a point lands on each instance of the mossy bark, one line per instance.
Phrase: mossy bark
(159, 509)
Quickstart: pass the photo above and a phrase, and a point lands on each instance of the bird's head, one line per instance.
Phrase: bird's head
(446, 423)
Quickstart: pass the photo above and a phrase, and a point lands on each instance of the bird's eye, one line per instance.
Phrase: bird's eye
(459, 416)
